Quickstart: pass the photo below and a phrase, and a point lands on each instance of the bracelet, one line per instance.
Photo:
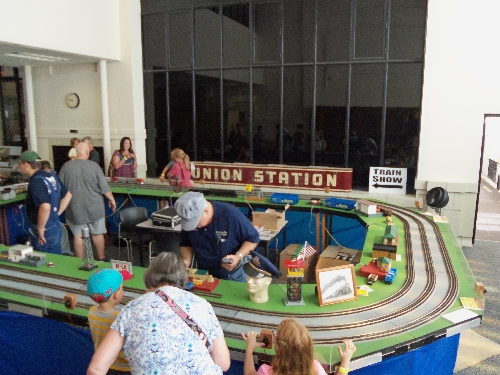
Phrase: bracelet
(343, 370)
(241, 256)
(162, 175)
(125, 158)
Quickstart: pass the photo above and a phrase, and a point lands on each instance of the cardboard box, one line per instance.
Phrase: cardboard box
(334, 256)
(270, 219)
(309, 272)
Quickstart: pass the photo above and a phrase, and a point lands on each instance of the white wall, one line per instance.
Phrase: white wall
(461, 84)
(54, 119)
(89, 27)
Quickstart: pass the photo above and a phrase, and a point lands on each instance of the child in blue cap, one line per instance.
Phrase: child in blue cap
(106, 288)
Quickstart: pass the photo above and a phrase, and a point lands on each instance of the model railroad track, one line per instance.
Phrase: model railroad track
(33, 278)
(316, 322)
(390, 316)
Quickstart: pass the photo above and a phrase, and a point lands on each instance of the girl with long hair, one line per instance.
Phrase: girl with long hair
(294, 352)
(180, 173)
(124, 160)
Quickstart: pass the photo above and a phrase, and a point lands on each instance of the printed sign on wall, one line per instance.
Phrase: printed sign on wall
(387, 180)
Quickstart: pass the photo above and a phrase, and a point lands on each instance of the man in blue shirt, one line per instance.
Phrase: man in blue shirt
(46, 199)
(217, 233)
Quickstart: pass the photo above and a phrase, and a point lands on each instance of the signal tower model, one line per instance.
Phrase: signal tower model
(88, 256)
(294, 280)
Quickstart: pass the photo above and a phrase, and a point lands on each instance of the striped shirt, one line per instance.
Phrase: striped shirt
(99, 325)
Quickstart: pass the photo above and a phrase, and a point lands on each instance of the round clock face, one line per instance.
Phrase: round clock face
(72, 100)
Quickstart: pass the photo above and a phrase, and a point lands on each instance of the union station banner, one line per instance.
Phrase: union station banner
(273, 175)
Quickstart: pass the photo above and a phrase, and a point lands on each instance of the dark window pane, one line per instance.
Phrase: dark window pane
(331, 103)
(333, 30)
(153, 42)
(181, 111)
(365, 119)
(208, 133)
(236, 114)
(299, 31)
(404, 94)
(155, 109)
(12, 125)
(267, 36)
(408, 18)
(180, 31)
(266, 112)
(298, 98)
(207, 39)
(370, 28)
(235, 36)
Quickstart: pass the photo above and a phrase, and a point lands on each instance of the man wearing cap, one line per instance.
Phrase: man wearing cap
(88, 184)
(217, 233)
(260, 272)
(47, 198)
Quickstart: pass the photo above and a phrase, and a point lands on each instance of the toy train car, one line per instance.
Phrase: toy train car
(391, 275)
(342, 203)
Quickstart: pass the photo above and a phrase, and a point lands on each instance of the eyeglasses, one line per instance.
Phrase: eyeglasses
(276, 339)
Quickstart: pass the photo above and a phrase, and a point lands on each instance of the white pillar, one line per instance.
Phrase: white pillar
(106, 138)
(30, 108)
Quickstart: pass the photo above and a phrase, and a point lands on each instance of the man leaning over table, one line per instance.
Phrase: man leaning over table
(217, 234)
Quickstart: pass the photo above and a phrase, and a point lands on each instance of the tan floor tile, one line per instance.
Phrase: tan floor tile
(474, 348)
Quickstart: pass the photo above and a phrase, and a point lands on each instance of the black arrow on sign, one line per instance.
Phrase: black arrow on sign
(388, 186)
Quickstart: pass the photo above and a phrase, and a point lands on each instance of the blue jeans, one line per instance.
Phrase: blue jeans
(238, 274)
(52, 235)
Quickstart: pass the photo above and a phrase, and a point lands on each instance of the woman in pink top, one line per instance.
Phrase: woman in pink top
(294, 352)
(180, 173)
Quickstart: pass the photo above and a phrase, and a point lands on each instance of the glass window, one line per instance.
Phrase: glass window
(180, 31)
(407, 33)
(11, 116)
(333, 30)
(404, 95)
(235, 35)
(367, 91)
(236, 115)
(267, 33)
(207, 38)
(153, 41)
(298, 31)
(266, 112)
(370, 29)
(181, 111)
(208, 120)
(331, 104)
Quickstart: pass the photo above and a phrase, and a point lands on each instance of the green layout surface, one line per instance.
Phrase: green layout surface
(236, 294)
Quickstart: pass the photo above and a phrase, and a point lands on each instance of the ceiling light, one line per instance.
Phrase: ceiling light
(36, 56)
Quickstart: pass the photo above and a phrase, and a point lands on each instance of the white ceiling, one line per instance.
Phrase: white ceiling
(19, 51)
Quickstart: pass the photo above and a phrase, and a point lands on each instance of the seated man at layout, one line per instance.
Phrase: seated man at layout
(218, 235)
(259, 272)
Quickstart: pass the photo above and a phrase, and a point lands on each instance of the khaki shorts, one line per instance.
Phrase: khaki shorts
(96, 227)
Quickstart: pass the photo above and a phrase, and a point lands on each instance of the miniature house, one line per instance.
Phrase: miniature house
(384, 263)
(366, 207)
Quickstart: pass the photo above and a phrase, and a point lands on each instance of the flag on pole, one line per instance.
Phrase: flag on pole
(307, 251)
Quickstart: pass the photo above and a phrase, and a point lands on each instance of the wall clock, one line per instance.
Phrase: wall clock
(72, 100)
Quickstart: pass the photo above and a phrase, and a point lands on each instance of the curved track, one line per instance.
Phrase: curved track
(429, 290)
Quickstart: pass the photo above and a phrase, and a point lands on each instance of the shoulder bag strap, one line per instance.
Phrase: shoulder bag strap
(182, 314)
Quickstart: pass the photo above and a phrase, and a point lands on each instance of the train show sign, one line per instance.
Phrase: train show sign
(272, 175)
(387, 180)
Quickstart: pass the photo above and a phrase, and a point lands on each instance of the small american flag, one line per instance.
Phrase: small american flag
(307, 251)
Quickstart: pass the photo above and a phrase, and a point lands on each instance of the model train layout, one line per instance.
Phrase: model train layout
(417, 301)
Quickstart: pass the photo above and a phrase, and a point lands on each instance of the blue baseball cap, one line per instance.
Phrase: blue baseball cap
(259, 266)
(102, 284)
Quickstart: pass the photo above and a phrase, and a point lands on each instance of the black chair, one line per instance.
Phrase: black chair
(127, 231)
